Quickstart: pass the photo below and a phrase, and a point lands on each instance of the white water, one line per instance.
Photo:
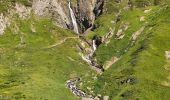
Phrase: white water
(73, 18)
(85, 58)
(94, 45)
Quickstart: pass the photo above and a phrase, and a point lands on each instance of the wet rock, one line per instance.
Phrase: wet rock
(86, 11)
(98, 10)
(88, 55)
(98, 40)
(72, 85)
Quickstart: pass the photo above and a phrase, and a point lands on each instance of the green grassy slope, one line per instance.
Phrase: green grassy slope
(140, 72)
(33, 66)
(31, 71)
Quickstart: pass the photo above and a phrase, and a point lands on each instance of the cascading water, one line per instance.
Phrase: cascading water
(94, 45)
(73, 18)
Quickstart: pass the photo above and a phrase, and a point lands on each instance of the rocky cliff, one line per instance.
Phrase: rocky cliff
(85, 11)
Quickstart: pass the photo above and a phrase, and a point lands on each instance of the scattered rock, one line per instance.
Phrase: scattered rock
(88, 88)
(71, 84)
(33, 28)
(22, 11)
(108, 35)
(109, 63)
(99, 95)
(120, 34)
(167, 67)
(85, 98)
(120, 31)
(113, 22)
(129, 80)
(165, 83)
(121, 37)
(142, 18)
(106, 98)
(147, 11)
(96, 98)
(167, 55)
(137, 33)
(3, 23)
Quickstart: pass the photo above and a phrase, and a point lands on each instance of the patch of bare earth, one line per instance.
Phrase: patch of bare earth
(110, 62)
(137, 33)
(167, 67)
(166, 83)
(167, 55)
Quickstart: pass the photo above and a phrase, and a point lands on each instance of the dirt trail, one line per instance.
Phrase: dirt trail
(61, 42)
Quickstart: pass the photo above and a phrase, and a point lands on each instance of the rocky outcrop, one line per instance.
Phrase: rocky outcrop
(56, 9)
(167, 54)
(84, 11)
(23, 11)
(3, 23)
(87, 11)
(98, 10)
(137, 33)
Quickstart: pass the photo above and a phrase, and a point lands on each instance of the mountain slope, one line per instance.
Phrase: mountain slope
(122, 51)
(31, 69)
(142, 69)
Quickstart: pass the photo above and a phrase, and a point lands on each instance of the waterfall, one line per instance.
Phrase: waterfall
(73, 18)
(94, 45)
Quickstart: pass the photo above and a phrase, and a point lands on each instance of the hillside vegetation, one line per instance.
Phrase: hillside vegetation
(140, 72)
(37, 57)
(31, 68)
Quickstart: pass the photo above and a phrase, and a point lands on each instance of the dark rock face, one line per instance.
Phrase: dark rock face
(98, 10)
(86, 12)
(84, 17)
(98, 40)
